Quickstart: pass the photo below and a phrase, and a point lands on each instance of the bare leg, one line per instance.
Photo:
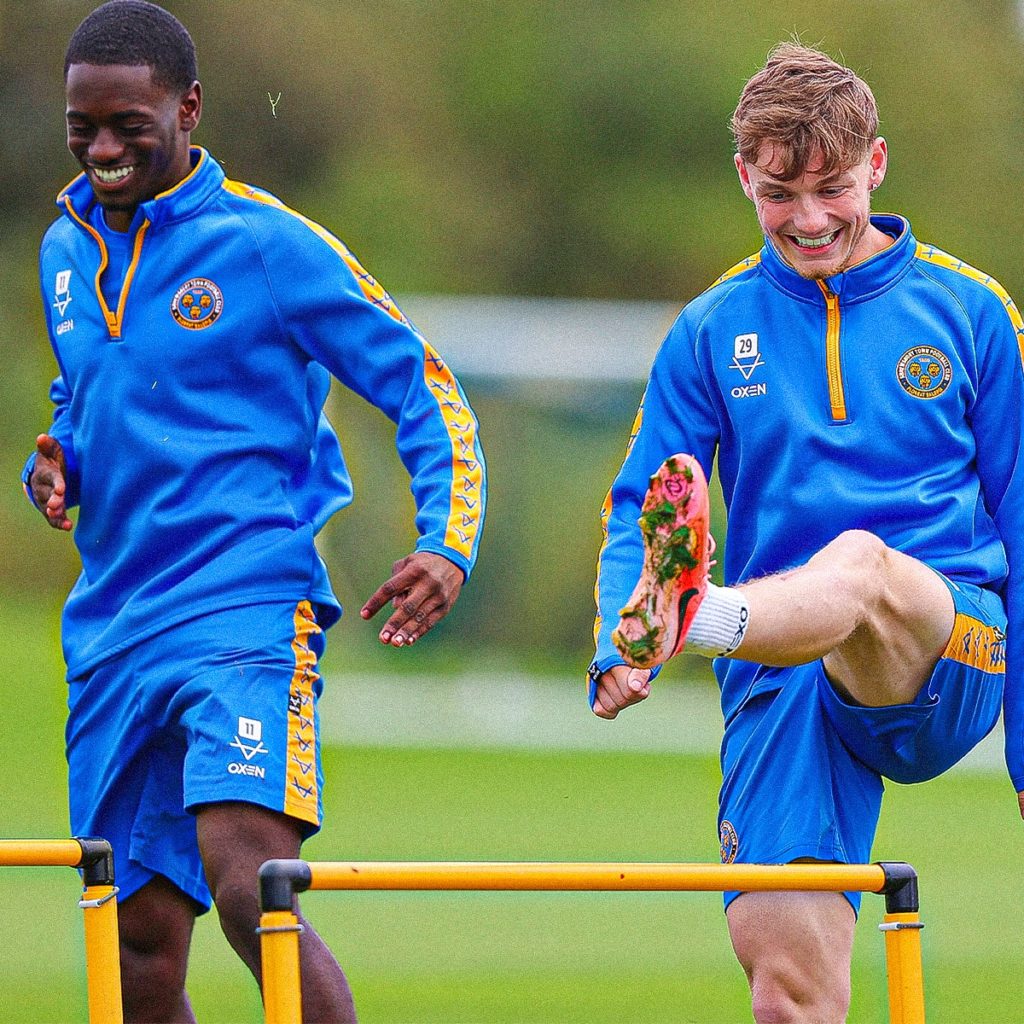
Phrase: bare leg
(234, 840)
(879, 619)
(795, 948)
(155, 927)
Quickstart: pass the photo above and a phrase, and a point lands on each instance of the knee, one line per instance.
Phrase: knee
(154, 955)
(239, 913)
(861, 564)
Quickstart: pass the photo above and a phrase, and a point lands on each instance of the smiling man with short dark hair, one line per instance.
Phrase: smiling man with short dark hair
(196, 323)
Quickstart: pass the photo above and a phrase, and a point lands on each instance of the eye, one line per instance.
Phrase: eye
(833, 191)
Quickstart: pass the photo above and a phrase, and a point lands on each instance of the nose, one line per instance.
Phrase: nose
(810, 216)
(104, 147)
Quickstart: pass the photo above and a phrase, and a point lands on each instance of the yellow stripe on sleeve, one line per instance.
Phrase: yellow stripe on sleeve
(466, 501)
(930, 254)
(750, 261)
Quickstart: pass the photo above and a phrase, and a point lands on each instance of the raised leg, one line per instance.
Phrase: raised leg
(879, 619)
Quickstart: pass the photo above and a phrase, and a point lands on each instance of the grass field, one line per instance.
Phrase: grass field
(504, 957)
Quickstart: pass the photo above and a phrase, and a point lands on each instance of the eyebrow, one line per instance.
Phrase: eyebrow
(122, 115)
(773, 185)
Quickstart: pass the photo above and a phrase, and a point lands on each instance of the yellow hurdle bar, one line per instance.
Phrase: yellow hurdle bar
(572, 877)
(280, 880)
(29, 853)
(98, 903)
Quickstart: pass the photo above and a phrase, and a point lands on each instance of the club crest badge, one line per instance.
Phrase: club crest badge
(924, 372)
(197, 304)
(730, 842)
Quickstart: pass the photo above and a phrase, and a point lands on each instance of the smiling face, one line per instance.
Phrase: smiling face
(130, 135)
(819, 223)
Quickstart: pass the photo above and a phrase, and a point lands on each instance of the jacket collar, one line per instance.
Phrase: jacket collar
(177, 203)
(861, 281)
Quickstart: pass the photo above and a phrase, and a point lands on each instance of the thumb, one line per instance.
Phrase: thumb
(638, 680)
(49, 447)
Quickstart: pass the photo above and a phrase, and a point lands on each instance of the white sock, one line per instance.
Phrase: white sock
(719, 624)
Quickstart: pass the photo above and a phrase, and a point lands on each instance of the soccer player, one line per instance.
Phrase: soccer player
(196, 322)
(865, 397)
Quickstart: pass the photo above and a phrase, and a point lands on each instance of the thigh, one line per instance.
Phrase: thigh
(251, 715)
(906, 624)
(953, 711)
(236, 838)
(791, 788)
(795, 948)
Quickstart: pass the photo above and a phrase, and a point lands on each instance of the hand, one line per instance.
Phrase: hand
(48, 482)
(423, 587)
(620, 687)
(1020, 802)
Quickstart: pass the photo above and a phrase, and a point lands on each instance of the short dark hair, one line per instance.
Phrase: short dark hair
(135, 32)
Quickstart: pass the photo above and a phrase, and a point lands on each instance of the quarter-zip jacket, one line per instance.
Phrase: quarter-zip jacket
(191, 415)
(888, 398)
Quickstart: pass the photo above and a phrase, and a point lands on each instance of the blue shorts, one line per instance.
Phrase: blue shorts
(802, 769)
(221, 708)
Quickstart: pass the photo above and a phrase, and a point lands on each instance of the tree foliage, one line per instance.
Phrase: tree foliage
(573, 148)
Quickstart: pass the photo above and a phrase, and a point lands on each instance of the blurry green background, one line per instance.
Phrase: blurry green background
(577, 150)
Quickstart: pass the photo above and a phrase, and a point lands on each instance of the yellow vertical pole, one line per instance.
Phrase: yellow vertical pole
(102, 954)
(903, 966)
(279, 953)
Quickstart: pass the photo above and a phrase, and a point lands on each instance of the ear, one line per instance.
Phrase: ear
(878, 162)
(741, 170)
(190, 108)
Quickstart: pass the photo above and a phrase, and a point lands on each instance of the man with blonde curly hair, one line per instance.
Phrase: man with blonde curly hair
(865, 397)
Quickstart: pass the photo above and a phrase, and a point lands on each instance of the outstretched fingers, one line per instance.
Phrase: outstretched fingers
(422, 589)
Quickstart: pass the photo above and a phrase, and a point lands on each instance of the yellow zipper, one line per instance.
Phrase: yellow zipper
(114, 319)
(836, 393)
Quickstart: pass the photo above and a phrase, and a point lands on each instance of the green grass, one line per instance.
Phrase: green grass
(507, 957)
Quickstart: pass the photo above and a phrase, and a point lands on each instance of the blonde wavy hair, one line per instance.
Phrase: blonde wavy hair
(809, 107)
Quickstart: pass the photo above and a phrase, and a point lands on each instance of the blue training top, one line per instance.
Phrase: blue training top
(191, 416)
(888, 398)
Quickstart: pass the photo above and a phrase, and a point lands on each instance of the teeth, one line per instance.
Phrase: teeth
(109, 177)
(815, 243)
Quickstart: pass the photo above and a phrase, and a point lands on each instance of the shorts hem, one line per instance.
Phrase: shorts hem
(787, 856)
(308, 828)
(195, 889)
